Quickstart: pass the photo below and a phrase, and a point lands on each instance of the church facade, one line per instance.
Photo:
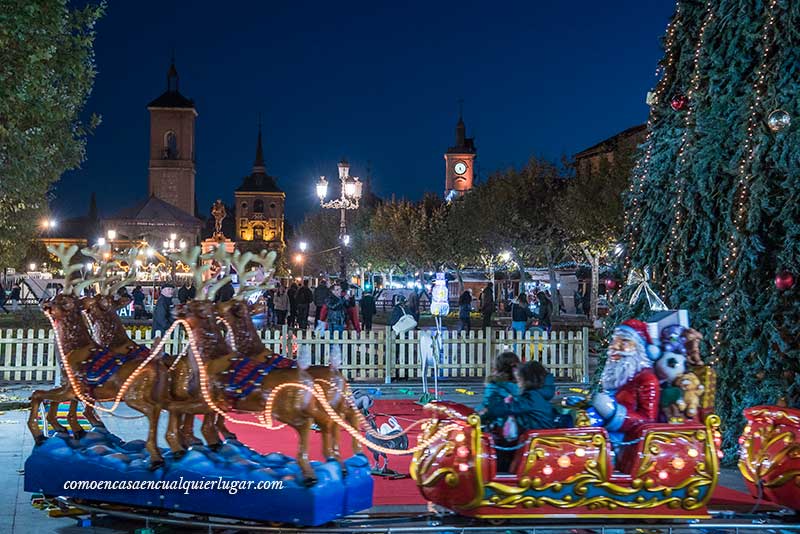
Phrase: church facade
(259, 208)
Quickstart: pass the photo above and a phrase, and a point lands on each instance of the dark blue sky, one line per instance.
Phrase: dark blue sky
(372, 81)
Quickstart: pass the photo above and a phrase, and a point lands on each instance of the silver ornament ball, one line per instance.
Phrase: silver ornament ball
(778, 120)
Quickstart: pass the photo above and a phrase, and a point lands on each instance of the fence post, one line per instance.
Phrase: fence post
(389, 354)
(585, 353)
(286, 351)
(488, 343)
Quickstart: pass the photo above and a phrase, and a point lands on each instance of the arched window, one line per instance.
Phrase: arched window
(170, 145)
(258, 206)
(258, 233)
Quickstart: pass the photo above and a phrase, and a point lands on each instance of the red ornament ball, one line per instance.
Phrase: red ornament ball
(784, 281)
(678, 102)
(611, 283)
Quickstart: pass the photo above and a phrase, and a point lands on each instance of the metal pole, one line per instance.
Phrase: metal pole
(342, 233)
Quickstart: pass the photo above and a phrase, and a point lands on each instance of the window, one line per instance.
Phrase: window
(170, 145)
(258, 206)
(244, 208)
(272, 206)
(258, 233)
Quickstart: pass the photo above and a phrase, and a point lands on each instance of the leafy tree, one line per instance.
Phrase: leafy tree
(591, 213)
(46, 75)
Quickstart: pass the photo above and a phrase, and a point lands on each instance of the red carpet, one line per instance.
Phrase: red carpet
(399, 491)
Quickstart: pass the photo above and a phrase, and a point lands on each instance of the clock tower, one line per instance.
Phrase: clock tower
(459, 163)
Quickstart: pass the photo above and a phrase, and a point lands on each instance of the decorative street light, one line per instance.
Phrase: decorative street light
(171, 246)
(303, 246)
(348, 200)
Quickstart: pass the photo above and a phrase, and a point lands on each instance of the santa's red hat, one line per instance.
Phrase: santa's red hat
(637, 330)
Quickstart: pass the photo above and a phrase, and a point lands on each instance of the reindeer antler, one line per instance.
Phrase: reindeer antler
(101, 255)
(190, 257)
(130, 259)
(65, 255)
(224, 259)
(266, 260)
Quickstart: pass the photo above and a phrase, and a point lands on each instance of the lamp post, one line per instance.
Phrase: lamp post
(348, 200)
(171, 246)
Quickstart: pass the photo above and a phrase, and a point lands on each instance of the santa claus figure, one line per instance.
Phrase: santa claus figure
(630, 395)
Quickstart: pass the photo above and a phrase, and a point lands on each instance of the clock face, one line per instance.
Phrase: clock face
(460, 167)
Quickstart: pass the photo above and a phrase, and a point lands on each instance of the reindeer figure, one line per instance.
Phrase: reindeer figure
(237, 316)
(223, 368)
(81, 357)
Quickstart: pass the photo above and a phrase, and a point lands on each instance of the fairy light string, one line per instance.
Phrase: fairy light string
(265, 419)
(642, 168)
(680, 174)
(742, 184)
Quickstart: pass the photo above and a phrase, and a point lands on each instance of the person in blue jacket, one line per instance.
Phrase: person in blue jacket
(531, 407)
(501, 384)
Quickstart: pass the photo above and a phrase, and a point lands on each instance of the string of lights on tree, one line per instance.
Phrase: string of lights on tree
(742, 184)
(641, 169)
(678, 103)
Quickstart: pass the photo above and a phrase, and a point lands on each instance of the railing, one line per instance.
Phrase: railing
(30, 355)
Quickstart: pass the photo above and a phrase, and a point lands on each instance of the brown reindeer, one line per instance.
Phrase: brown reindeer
(291, 405)
(146, 391)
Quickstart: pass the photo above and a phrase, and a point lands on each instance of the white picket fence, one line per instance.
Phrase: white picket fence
(379, 356)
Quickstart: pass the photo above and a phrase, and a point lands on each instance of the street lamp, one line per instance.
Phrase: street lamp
(170, 246)
(303, 246)
(348, 200)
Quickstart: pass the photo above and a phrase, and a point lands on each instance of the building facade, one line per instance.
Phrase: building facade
(460, 163)
(171, 172)
(589, 161)
(259, 208)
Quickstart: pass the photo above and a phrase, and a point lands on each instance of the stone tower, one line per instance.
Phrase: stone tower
(172, 151)
(259, 208)
(459, 163)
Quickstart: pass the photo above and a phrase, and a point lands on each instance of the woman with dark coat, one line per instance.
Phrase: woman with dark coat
(464, 309)
(501, 384)
(545, 311)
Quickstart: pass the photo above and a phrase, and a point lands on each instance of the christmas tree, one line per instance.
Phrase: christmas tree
(713, 208)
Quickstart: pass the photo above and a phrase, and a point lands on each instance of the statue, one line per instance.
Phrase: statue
(219, 213)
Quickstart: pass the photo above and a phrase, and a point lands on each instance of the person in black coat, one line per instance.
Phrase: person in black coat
(304, 299)
(545, 311)
(3, 299)
(162, 315)
(368, 309)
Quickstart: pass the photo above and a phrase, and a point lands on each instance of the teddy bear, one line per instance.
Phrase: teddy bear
(692, 390)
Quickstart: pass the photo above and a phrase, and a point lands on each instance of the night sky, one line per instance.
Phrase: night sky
(371, 81)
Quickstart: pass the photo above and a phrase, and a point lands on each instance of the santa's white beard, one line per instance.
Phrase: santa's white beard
(618, 372)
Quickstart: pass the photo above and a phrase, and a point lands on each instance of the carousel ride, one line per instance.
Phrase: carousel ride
(627, 456)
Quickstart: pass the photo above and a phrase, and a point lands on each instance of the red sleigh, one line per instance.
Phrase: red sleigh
(568, 472)
(769, 455)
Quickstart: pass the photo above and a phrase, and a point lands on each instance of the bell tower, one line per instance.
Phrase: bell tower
(459, 163)
(172, 152)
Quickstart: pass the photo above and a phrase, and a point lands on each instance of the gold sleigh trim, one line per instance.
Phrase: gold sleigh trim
(596, 475)
(756, 465)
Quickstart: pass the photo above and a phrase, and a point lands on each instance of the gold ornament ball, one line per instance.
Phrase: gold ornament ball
(778, 120)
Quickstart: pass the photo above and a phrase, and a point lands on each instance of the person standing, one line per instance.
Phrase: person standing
(335, 304)
(578, 301)
(412, 305)
(3, 298)
(520, 313)
(291, 320)
(368, 309)
(304, 299)
(545, 311)
(183, 294)
(281, 303)
(321, 294)
(162, 315)
(487, 304)
(351, 312)
(464, 310)
(15, 297)
(138, 302)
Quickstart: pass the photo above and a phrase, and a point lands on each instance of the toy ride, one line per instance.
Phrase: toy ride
(769, 456)
(568, 472)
